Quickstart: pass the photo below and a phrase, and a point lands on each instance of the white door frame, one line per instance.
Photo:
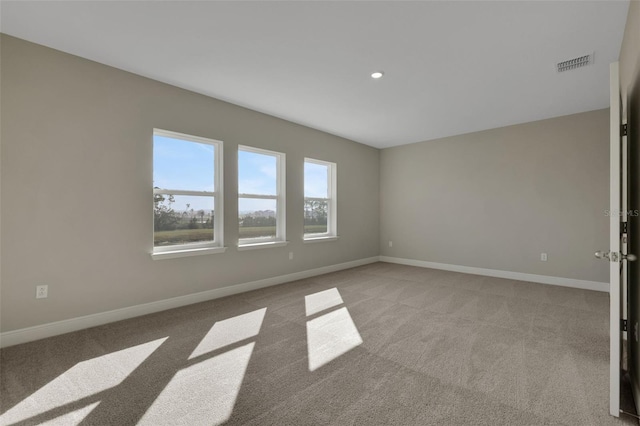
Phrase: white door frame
(615, 262)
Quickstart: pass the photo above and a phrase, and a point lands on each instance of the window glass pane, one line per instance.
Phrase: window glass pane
(316, 180)
(257, 218)
(179, 164)
(257, 173)
(182, 219)
(315, 216)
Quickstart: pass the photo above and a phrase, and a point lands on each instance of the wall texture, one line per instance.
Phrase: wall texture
(630, 52)
(499, 198)
(76, 188)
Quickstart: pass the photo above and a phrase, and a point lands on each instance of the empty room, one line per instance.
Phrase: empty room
(319, 213)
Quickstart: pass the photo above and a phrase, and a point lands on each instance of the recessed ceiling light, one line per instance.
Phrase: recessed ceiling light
(377, 74)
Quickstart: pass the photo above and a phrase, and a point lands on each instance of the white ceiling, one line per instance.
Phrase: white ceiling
(450, 67)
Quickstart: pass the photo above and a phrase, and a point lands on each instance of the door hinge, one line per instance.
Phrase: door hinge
(625, 228)
(623, 130)
(624, 324)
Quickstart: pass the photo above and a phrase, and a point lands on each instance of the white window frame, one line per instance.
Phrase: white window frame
(209, 247)
(332, 201)
(281, 223)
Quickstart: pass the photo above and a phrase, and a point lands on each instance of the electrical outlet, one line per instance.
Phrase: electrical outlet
(290, 255)
(390, 243)
(543, 257)
(42, 291)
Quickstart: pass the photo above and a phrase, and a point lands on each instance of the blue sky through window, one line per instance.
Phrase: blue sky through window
(316, 180)
(179, 164)
(257, 174)
(185, 165)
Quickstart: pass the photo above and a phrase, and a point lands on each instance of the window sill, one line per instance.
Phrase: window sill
(187, 253)
(255, 246)
(321, 239)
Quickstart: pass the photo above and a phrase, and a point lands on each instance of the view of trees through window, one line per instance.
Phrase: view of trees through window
(256, 222)
(185, 196)
(257, 194)
(316, 197)
(179, 223)
(184, 190)
(315, 216)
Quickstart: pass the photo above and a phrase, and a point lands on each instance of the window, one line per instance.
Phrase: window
(261, 201)
(187, 194)
(319, 199)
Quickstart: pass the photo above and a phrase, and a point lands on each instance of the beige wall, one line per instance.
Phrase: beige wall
(497, 199)
(630, 52)
(76, 188)
(76, 174)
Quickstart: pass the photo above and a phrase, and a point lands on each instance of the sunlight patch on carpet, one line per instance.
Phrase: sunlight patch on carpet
(330, 336)
(84, 379)
(204, 393)
(318, 302)
(230, 331)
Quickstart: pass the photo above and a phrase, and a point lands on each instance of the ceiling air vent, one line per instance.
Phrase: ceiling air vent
(571, 64)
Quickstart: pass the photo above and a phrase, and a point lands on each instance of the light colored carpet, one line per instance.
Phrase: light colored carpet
(381, 344)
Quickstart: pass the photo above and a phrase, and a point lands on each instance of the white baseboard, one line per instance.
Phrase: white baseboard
(542, 279)
(29, 334)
